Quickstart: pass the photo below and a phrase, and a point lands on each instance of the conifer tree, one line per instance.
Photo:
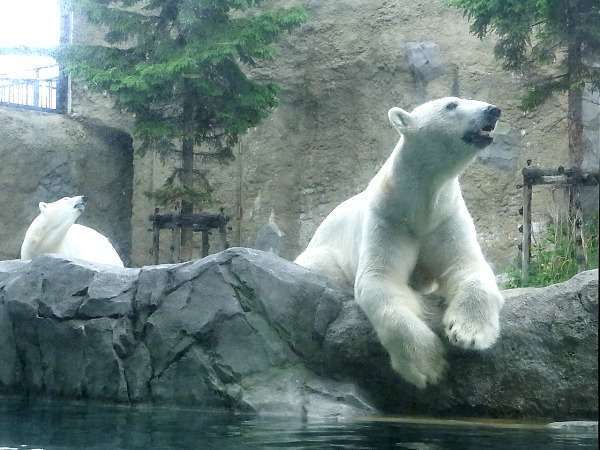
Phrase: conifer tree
(180, 67)
(552, 42)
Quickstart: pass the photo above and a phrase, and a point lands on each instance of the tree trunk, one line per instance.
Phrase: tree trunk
(575, 130)
(575, 127)
(575, 95)
(187, 173)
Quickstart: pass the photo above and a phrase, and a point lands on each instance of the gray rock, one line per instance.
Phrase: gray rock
(245, 330)
(269, 237)
(544, 365)
(504, 152)
(425, 60)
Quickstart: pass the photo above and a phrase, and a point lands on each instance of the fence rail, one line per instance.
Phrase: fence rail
(34, 93)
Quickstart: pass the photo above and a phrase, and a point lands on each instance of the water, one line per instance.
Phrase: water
(52, 426)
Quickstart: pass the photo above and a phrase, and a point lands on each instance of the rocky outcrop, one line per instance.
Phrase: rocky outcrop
(247, 331)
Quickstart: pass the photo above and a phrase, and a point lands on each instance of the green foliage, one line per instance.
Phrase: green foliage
(165, 52)
(553, 257)
(172, 193)
(539, 34)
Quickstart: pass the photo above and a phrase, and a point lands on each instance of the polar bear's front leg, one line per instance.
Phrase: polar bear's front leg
(471, 319)
(394, 309)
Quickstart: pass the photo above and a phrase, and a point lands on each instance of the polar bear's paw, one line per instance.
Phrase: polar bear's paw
(471, 328)
(422, 364)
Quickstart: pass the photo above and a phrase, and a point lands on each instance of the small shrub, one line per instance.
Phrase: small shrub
(553, 256)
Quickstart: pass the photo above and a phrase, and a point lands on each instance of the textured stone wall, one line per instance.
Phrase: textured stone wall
(48, 156)
(339, 74)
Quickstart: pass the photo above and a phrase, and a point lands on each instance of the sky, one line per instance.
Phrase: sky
(29, 23)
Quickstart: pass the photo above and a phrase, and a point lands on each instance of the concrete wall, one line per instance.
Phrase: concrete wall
(339, 74)
(48, 156)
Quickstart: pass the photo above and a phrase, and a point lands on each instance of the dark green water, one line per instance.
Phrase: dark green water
(76, 427)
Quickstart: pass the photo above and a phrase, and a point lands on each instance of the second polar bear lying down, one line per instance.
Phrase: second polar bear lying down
(411, 225)
(54, 231)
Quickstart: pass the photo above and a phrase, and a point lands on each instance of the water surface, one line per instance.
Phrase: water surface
(53, 426)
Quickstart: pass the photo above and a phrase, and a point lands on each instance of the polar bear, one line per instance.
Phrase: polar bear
(54, 231)
(410, 227)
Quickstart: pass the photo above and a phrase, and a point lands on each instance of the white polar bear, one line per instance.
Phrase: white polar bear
(411, 226)
(54, 231)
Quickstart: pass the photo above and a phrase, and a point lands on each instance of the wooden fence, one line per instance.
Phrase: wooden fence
(201, 222)
(572, 180)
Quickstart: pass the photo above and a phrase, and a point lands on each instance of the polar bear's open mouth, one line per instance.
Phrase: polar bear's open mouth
(482, 137)
(80, 205)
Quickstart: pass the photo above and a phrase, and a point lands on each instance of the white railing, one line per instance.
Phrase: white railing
(32, 93)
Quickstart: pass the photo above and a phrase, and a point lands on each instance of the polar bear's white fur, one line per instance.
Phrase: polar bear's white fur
(54, 231)
(411, 227)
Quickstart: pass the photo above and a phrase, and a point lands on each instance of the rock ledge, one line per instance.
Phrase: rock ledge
(248, 331)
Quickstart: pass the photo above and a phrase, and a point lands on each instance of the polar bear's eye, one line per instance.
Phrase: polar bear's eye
(452, 105)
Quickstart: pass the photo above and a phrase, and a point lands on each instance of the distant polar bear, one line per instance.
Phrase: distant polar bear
(411, 226)
(54, 231)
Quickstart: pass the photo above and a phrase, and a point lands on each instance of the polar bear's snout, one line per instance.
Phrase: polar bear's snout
(80, 203)
(481, 134)
(493, 112)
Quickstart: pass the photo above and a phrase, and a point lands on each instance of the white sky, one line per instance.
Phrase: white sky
(28, 23)
(31, 23)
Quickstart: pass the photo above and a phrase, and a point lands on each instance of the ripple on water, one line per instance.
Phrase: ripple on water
(53, 426)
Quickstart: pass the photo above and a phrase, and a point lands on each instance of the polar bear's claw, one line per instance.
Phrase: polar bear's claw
(422, 367)
(471, 333)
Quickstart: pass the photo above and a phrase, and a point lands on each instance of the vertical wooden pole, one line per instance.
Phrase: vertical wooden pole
(526, 244)
(205, 245)
(223, 231)
(155, 237)
(577, 228)
(173, 243)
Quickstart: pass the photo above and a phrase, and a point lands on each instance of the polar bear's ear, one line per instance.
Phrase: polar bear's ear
(401, 120)
(42, 206)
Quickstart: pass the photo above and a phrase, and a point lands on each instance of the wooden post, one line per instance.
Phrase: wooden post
(173, 243)
(223, 231)
(205, 245)
(155, 237)
(526, 243)
(577, 228)
(177, 242)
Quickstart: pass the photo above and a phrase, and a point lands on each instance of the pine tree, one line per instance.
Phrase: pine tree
(179, 67)
(549, 42)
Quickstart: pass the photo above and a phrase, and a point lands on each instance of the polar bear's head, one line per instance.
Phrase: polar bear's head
(62, 213)
(49, 228)
(457, 128)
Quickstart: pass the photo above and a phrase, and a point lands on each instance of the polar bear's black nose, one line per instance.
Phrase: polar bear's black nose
(84, 199)
(493, 112)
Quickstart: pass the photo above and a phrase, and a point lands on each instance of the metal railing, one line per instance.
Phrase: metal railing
(31, 93)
